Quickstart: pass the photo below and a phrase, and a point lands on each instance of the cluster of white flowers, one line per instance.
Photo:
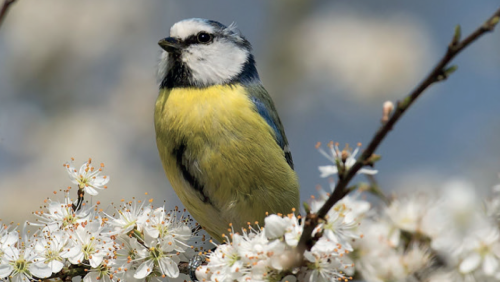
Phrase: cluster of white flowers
(445, 236)
(137, 242)
(75, 238)
(268, 253)
(440, 237)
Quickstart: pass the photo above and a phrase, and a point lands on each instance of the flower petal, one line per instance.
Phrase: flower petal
(40, 270)
(56, 266)
(470, 263)
(5, 270)
(275, 226)
(77, 259)
(91, 191)
(203, 274)
(368, 171)
(328, 170)
(100, 181)
(95, 260)
(68, 253)
(490, 264)
(169, 267)
(144, 269)
(91, 277)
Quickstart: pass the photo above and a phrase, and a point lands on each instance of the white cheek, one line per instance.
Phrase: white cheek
(215, 63)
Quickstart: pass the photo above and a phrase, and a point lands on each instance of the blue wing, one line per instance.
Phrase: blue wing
(264, 113)
(265, 108)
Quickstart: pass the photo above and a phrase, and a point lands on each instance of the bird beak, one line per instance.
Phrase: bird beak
(170, 44)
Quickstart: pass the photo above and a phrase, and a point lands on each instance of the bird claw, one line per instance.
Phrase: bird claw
(194, 263)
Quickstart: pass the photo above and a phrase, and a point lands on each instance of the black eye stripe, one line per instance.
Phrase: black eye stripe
(193, 39)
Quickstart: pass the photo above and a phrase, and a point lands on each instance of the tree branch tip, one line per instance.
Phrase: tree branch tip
(372, 160)
(445, 73)
(494, 21)
(402, 105)
(490, 24)
(350, 189)
(456, 36)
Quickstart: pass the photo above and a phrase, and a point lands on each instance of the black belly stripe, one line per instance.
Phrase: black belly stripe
(182, 164)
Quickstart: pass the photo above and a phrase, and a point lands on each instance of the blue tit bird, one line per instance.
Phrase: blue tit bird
(218, 133)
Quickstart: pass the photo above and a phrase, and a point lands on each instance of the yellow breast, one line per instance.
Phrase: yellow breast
(202, 109)
(234, 155)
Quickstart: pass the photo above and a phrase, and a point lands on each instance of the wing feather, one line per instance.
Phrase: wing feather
(265, 107)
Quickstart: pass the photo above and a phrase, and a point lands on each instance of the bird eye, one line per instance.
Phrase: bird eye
(204, 37)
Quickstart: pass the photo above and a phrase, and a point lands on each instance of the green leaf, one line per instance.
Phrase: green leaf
(457, 35)
(450, 70)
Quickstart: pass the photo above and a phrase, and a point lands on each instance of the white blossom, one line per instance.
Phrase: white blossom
(131, 250)
(160, 258)
(8, 238)
(62, 215)
(387, 266)
(165, 242)
(416, 258)
(345, 158)
(293, 230)
(130, 216)
(20, 262)
(51, 246)
(343, 220)
(89, 244)
(87, 177)
(323, 267)
(482, 251)
(407, 213)
(227, 260)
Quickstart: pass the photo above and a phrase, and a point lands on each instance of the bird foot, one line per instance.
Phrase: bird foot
(194, 263)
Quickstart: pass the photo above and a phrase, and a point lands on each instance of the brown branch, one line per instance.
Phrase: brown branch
(184, 267)
(439, 73)
(5, 9)
(68, 272)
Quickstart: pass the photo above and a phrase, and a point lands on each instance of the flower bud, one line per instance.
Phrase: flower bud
(387, 110)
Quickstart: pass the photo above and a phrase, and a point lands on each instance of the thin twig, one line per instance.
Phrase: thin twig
(375, 189)
(439, 73)
(79, 202)
(5, 9)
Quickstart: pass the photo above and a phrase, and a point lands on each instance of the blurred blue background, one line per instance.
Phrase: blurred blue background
(77, 79)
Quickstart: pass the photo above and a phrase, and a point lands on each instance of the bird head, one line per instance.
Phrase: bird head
(201, 53)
